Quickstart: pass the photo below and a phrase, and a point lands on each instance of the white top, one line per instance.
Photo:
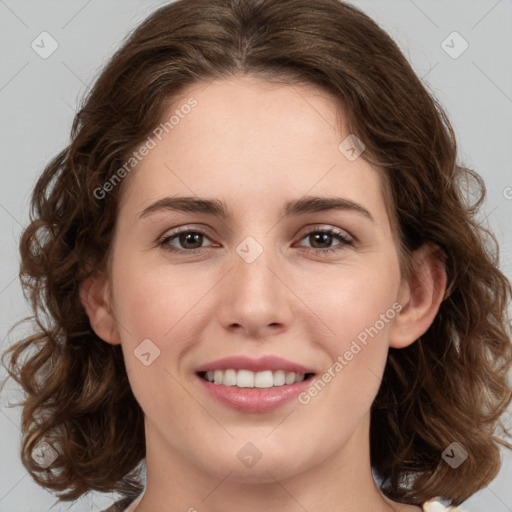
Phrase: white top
(436, 506)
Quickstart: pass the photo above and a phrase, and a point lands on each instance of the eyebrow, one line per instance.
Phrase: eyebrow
(304, 205)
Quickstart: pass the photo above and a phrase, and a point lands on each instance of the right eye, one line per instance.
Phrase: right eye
(185, 237)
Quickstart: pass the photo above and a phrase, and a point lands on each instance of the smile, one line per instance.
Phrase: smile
(249, 379)
(255, 392)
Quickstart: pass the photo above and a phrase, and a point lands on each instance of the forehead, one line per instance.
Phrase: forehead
(252, 142)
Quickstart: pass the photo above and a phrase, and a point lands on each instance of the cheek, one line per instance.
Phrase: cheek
(151, 304)
(161, 316)
(356, 312)
(157, 315)
(353, 302)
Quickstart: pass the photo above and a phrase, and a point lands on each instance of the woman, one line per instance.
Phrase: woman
(257, 365)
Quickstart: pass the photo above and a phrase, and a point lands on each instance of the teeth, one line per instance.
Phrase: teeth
(229, 378)
(249, 379)
(279, 378)
(263, 379)
(244, 379)
(218, 376)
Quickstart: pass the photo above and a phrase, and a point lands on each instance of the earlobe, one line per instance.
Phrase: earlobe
(95, 298)
(420, 297)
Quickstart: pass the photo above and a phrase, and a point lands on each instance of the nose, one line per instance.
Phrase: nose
(256, 297)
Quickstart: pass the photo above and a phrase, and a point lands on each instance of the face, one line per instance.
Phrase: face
(312, 285)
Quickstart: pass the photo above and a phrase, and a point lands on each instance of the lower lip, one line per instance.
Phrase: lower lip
(255, 399)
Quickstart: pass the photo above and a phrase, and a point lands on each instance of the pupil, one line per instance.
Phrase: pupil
(321, 235)
(191, 237)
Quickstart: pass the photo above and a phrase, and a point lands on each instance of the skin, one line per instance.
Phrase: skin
(256, 146)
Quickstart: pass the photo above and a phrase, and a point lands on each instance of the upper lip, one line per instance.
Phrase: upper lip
(255, 365)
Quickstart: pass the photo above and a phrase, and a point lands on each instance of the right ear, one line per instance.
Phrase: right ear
(95, 298)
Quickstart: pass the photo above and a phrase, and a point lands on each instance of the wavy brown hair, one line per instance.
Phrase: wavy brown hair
(450, 385)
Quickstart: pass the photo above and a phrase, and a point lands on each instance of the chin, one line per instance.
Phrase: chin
(264, 470)
(261, 473)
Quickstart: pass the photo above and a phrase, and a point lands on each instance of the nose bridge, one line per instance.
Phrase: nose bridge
(253, 279)
(255, 297)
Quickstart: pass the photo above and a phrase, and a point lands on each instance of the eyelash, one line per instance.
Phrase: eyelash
(344, 239)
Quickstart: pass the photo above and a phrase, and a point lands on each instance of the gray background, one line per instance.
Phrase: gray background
(37, 104)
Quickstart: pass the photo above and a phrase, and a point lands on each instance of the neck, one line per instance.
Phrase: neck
(343, 481)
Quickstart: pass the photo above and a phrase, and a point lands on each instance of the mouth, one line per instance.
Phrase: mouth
(246, 391)
(249, 379)
(254, 385)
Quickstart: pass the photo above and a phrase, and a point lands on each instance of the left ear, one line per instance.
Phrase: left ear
(420, 297)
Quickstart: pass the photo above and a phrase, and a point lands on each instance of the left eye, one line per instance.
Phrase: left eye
(191, 240)
(326, 235)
